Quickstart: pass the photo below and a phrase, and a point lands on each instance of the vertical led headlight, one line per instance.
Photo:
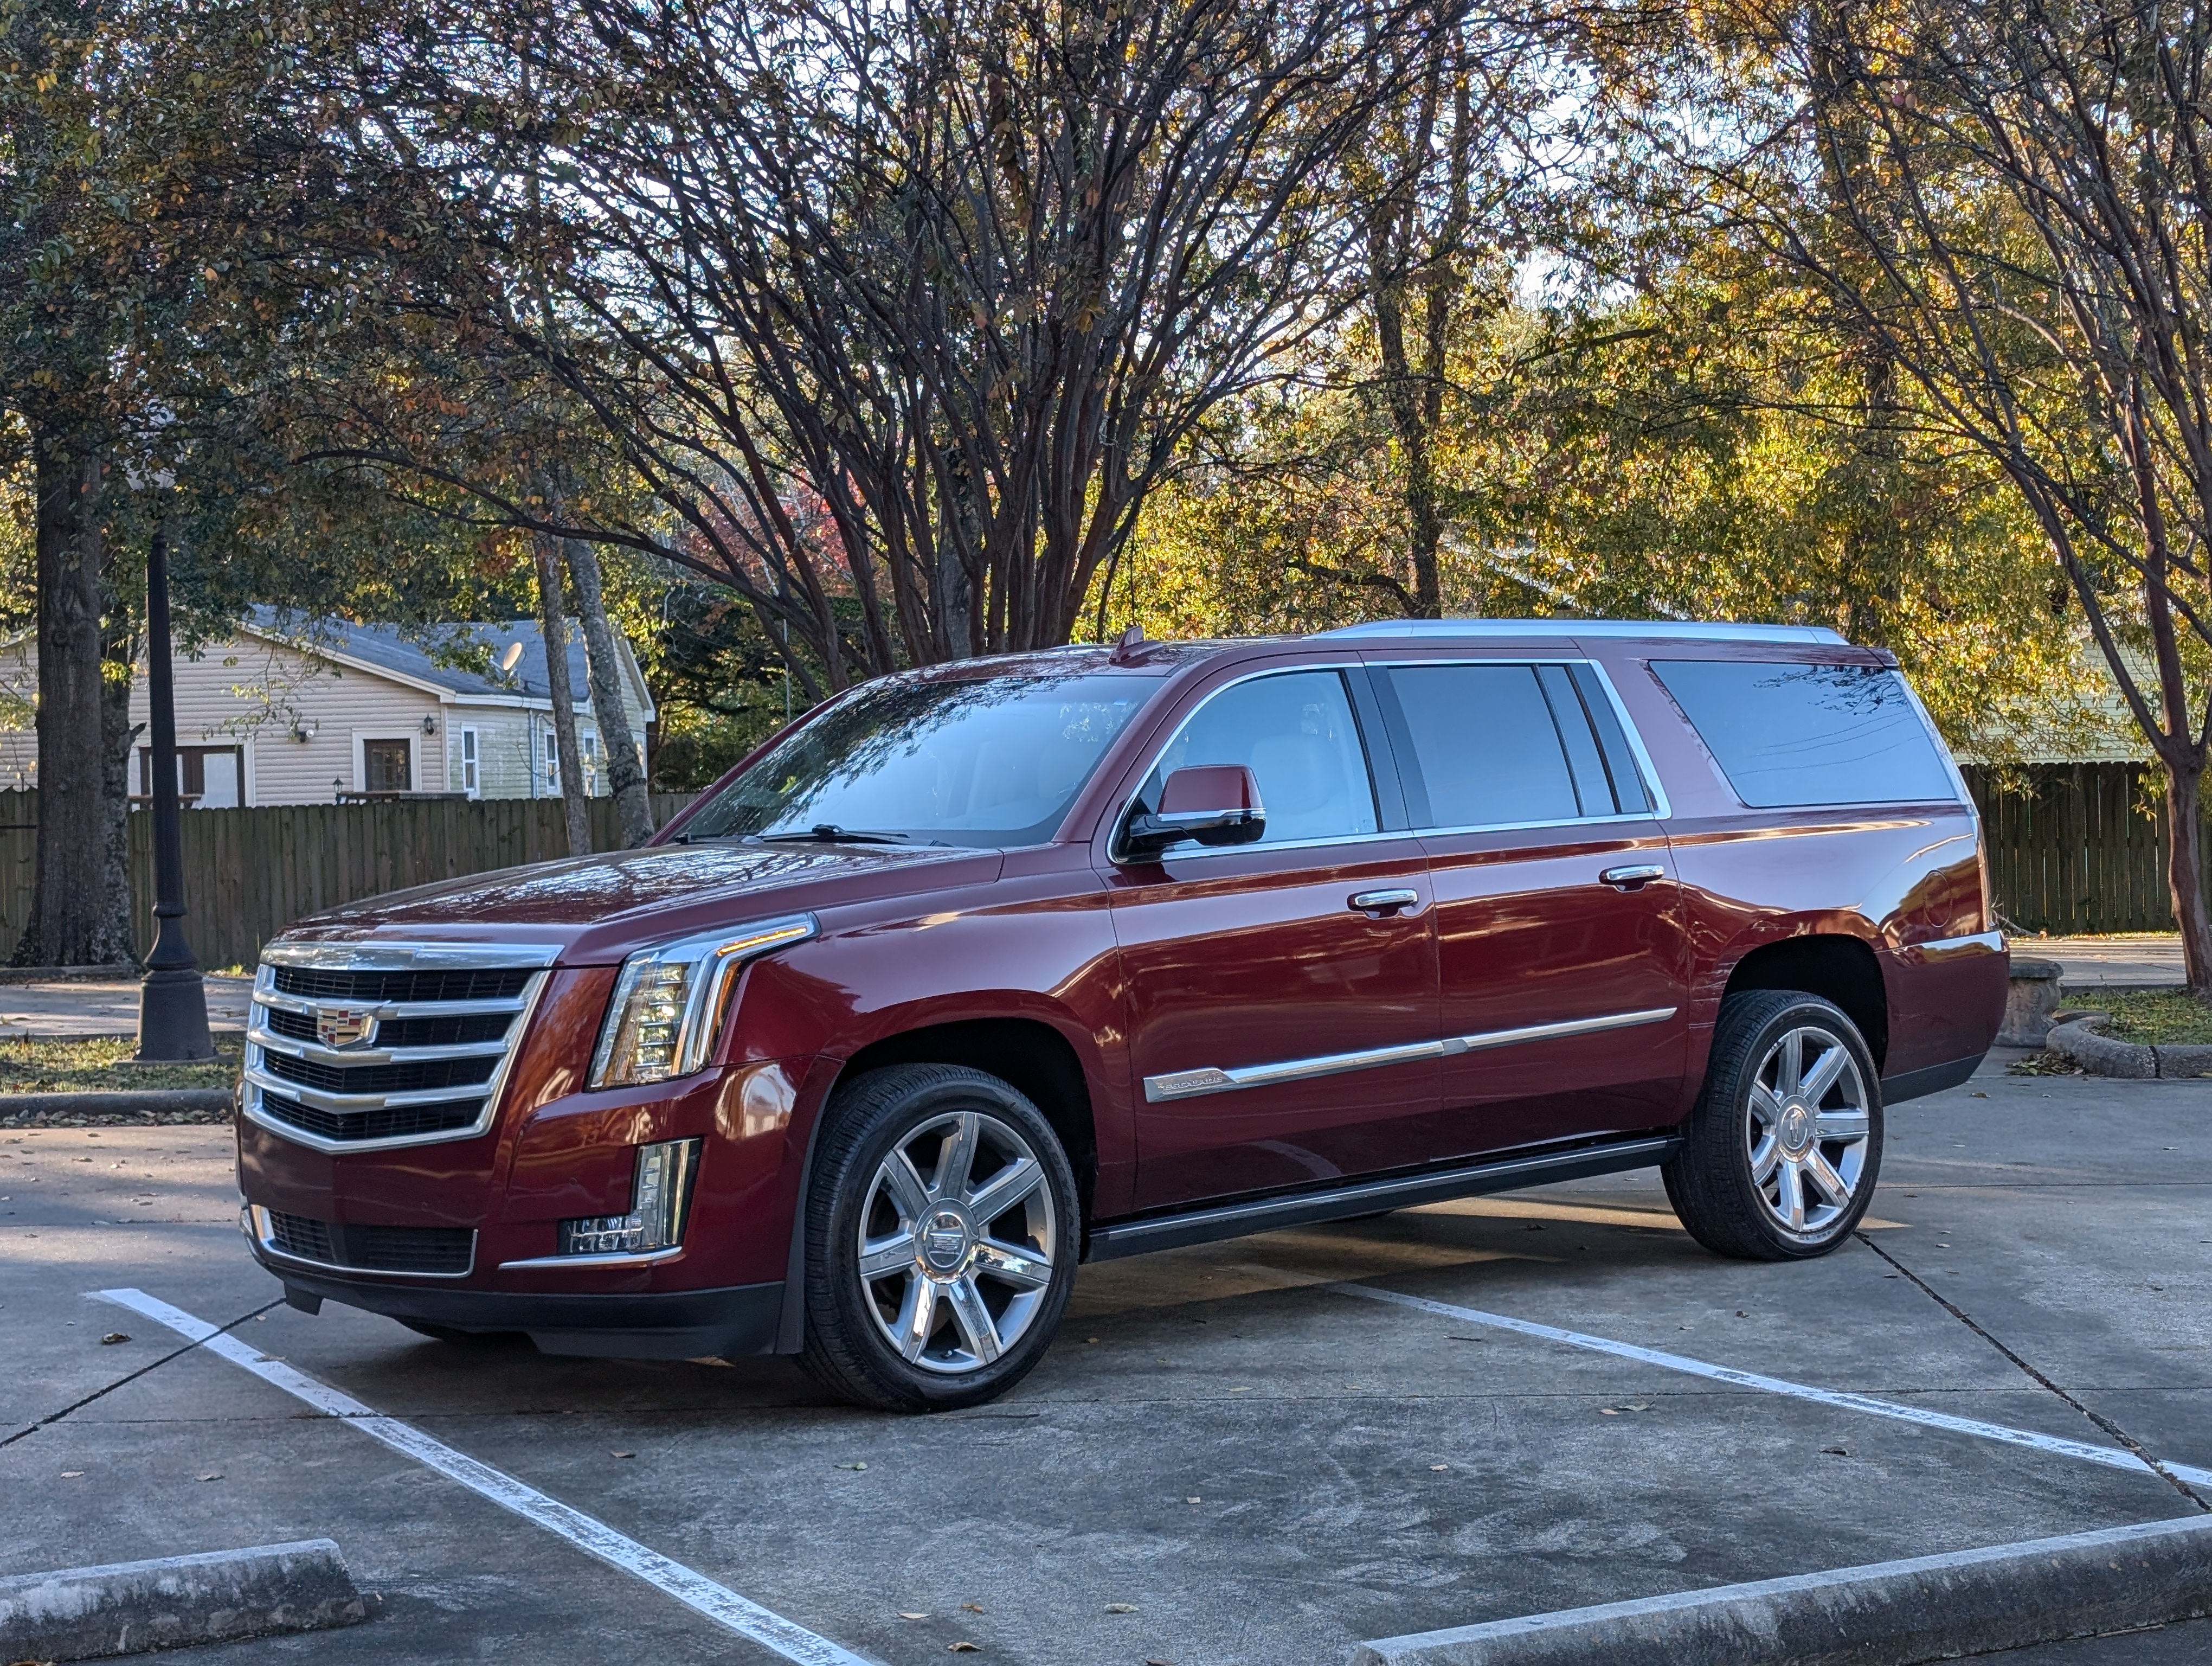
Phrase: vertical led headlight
(660, 1196)
(670, 1001)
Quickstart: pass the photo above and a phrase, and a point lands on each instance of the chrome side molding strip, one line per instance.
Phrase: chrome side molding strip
(1268, 1214)
(1213, 1078)
(1987, 942)
(1553, 1032)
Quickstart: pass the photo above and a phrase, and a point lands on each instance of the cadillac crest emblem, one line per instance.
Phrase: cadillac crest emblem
(343, 1026)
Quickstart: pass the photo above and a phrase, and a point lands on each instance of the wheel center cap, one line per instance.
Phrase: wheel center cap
(946, 1238)
(1796, 1132)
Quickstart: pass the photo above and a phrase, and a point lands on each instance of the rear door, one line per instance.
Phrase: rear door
(1562, 960)
(1281, 996)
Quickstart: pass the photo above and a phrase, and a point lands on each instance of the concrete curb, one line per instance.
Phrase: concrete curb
(90, 1613)
(140, 1102)
(1888, 1614)
(2100, 1056)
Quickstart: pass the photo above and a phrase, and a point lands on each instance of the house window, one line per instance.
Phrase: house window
(552, 762)
(471, 782)
(589, 744)
(208, 777)
(385, 766)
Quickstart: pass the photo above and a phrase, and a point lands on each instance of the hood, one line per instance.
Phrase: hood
(599, 908)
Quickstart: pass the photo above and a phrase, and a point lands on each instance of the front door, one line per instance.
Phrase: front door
(1562, 960)
(1281, 996)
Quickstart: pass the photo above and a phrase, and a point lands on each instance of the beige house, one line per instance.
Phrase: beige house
(285, 713)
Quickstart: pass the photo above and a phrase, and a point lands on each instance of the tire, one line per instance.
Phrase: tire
(945, 1307)
(1758, 1143)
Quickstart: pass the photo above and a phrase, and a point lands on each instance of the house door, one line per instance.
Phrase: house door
(385, 766)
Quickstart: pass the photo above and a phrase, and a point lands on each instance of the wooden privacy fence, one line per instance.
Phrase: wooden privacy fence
(2077, 847)
(2072, 848)
(250, 872)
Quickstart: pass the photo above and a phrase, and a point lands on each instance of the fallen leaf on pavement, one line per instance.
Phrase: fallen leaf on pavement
(625, 1454)
(72, 1475)
(973, 1608)
(1120, 1608)
(904, 1615)
(852, 1466)
(962, 1649)
(1191, 1500)
(113, 1338)
(1440, 1466)
(212, 1475)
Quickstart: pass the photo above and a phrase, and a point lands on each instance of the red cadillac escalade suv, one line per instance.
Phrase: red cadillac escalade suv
(984, 970)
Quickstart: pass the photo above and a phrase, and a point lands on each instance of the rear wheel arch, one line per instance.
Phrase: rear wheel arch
(1834, 965)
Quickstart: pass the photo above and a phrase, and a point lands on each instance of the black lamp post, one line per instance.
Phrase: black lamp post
(173, 1020)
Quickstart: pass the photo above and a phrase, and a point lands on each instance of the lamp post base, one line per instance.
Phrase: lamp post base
(173, 1020)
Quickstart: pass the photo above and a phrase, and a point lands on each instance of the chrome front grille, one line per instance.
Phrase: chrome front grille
(355, 1046)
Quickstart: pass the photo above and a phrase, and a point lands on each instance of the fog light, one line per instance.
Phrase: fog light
(660, 1195)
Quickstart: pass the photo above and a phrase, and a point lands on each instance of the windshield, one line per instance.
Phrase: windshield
(987, 761)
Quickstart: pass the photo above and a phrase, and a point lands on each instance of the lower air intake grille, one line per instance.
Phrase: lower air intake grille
(447, 1249)
(392, 1122)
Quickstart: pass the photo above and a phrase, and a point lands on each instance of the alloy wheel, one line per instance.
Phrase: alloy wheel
(1807, 1130)
(959, 1237)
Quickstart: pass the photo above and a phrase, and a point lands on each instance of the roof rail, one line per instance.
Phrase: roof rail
(1683, 629)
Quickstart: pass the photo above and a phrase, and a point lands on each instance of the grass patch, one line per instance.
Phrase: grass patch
(102, 1064)
(2158, 1017)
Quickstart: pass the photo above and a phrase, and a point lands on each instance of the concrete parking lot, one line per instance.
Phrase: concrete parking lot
(1225, 1458)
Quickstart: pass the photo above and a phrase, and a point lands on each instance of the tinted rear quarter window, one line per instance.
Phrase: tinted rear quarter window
(1798, 734)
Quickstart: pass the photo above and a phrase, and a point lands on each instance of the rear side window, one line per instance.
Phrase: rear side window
(1497, 744)
(1787, 734)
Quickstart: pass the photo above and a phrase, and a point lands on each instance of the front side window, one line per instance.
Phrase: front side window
(1798, 734)
(1294, 732)
(985, 761)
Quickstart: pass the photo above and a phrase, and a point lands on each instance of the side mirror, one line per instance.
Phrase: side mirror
(1217, 804)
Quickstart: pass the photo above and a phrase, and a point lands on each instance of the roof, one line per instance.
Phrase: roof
(1645, 628)
(428, 663)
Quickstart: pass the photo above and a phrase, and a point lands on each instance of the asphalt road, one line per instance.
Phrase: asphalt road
(1257, 1466)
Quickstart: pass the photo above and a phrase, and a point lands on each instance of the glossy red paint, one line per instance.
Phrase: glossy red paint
(1111, 971)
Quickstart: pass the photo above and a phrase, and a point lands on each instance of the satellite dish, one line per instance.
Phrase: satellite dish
(511, 658)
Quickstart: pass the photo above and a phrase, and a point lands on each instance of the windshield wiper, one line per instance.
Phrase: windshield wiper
(830, 833)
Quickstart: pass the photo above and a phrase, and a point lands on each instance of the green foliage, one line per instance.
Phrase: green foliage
(1706, 450)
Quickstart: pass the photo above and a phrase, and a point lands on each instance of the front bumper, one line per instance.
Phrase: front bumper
(680, 1324)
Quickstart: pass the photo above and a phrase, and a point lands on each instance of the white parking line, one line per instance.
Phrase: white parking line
(695, 1591)
(2113, 1457)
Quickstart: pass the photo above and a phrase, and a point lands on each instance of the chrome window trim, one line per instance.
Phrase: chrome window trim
(389, 957)
(1213, 1078)
(254, 1221)
(1662, 807)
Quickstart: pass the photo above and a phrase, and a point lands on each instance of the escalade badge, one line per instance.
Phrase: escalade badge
(343, 1026)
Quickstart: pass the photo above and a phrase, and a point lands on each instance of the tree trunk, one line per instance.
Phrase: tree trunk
(618, 748)
(71, 913)
(116, 736)
(2185, 870)
(555, 624)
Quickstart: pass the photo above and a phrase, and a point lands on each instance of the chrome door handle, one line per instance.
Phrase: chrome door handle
(1378, 902)
(1634, 876)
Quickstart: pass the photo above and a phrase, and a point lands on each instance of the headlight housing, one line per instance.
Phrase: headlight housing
(670, 1001)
